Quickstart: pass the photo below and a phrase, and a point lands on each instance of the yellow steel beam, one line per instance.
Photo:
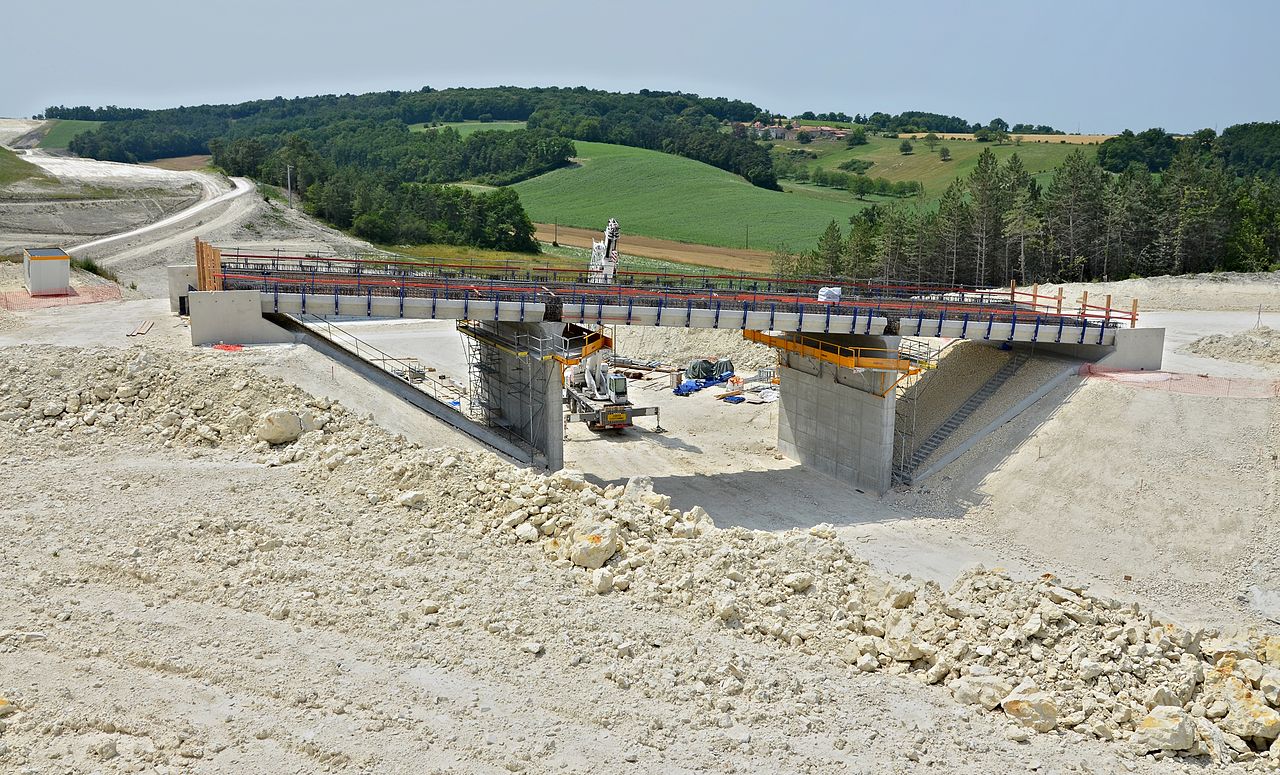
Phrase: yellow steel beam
(848, 357)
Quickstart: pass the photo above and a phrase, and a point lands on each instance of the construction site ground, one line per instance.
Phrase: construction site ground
(207, 606)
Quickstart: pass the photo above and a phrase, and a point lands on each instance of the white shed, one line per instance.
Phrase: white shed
(47, 271)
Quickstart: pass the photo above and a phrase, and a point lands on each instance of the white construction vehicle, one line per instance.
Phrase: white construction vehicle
(595, 394)
(604, 255)
(598, 396)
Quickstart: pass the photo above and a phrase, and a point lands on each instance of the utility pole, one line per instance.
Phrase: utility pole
(288, 183)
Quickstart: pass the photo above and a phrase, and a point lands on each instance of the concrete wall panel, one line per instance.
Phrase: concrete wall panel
(231, 317)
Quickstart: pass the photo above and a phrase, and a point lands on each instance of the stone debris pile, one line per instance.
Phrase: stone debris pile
(1048, 654)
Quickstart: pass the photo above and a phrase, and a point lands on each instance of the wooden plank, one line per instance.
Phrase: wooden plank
(146, 326)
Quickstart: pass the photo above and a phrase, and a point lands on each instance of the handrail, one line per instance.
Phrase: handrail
(870, 358)
(407, 365)
(679, 282)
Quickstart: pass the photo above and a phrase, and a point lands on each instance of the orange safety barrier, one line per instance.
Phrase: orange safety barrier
(874, 359)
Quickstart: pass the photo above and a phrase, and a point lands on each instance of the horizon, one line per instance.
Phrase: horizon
(1221, 75)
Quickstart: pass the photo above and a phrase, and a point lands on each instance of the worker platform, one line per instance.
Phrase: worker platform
(843, 355)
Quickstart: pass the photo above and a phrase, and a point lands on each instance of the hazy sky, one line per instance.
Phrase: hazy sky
(1086, 65)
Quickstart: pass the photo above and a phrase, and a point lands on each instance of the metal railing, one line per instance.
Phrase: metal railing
(408, 369)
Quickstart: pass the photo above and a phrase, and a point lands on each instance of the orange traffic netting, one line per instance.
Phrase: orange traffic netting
(1190, 384)
(89, 294)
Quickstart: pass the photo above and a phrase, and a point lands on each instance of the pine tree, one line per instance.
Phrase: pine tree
(831, 250)
(954, 232)
(1073, 209)
(1021, 223)
(987, 194)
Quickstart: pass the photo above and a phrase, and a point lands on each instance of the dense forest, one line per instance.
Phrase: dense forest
(1214, 205)
(684, 124)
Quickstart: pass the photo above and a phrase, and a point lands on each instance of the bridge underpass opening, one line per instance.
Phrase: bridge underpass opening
(836, 417)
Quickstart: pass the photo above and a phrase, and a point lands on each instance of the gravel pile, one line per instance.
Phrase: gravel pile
(678, 346)
(1257, 345)
(1047, 655)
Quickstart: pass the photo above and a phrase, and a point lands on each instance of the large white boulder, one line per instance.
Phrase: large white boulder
(1248, 714)
(593, 544)
(1031, 707)
(279, 426)
(983, 690)
(1165, 728)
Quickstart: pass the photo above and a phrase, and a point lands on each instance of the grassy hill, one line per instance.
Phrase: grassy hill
(63, 130)
(656, 194)
(922, 165)
(467, 127)
(13, 169)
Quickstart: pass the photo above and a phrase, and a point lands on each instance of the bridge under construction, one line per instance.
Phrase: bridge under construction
(846, 349)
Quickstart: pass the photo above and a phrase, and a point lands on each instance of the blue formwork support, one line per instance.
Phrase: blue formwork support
(870, 314)
(304, 300)
(919, 323)
(658, 322)
(826, 326)
(991, 320)
(688, 312)
(599, 312)
(964, 327)
(630, 305)
(773, 311)
(1035, 334)
(800, 321)
(1013, 325)
(1101, 330)
(522, 308)
(1084, 326)
(466, 305)
(496, 306)
(1061, 322)
(276, 308)
(942, 315)
(853, 322)
(435, 293)
(744, 316)
(368, 302)
(335, 299)
(716, 323)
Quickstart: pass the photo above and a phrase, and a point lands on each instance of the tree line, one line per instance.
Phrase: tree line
(999, 225)
(673, 122)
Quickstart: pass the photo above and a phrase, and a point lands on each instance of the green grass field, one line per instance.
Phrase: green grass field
(558, 256)
(467, 127)
(14, 169)
(926, 166)
(656, 194)
(64, 130)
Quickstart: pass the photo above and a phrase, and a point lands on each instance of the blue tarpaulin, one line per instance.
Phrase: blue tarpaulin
(690, 386)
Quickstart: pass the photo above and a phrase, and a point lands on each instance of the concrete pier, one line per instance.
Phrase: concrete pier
(832, 419)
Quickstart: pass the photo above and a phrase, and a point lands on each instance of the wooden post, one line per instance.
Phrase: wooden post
(1084, 304)
(1013, 291)
(1059, 299)
(1133, 315)
(1106, 316)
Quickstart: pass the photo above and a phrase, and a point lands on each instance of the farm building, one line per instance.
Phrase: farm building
(47, 271)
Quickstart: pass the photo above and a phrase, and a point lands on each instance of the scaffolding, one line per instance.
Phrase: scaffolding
(509, 375)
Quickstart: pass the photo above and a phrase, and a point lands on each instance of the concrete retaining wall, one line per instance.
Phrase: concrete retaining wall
(829, 419)
(231, 317)
(182, 278)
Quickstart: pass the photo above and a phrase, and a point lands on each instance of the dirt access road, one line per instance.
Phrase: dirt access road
(734, 259)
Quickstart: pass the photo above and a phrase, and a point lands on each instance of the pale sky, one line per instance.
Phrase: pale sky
(1087, 65)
